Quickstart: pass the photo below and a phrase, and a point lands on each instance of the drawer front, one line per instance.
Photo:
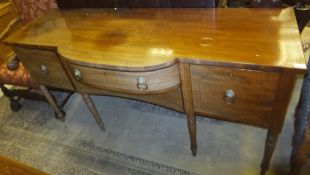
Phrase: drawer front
(44, 67)
(122, 81)
(234, 95)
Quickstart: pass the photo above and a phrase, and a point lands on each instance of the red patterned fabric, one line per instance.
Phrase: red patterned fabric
(30, 9)
(19, 77)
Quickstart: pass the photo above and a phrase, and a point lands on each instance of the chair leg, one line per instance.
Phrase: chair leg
(15, 105)
(28, 94)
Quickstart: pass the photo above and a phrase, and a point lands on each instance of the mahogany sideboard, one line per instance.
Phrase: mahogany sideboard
(236, 65)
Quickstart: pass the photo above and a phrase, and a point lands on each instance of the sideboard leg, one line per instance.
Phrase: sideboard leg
(188, 104)
(60, 114)
(91, 106)
(270, 144)
(191, 124)
(284, 91)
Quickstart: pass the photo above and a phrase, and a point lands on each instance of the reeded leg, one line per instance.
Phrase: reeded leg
(60, 114)
(93, 110)
(270, 144)
(191, 124)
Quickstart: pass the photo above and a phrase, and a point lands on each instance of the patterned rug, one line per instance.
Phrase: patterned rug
(140, 138)
(34, 137)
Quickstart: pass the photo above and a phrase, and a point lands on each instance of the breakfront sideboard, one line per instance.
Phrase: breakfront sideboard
(237, 65)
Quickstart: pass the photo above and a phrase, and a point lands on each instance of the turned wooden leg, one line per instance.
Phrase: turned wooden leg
(91, 106)
(60, 114)
(188, 104)
(270, 144)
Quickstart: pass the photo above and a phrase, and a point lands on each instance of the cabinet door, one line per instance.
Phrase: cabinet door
(233, 94)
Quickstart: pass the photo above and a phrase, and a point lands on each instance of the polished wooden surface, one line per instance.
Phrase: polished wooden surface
(36, 60)
(148, 39)
(254, 93)
(254, 52)
(12, 167)
(121, 81)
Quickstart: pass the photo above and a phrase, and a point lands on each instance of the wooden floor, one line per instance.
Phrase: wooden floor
(12, 167)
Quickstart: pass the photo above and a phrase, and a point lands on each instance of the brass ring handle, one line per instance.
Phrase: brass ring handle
(141, 83)
(77, 74)
(229, 96)
(44, 69)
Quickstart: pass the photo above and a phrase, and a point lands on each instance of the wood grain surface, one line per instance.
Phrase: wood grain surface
(157, 81)
(12, 167)
(148, 39)
(256, 53)
(34, 59)
(254, 93)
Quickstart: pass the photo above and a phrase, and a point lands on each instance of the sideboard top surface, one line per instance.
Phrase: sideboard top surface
(145, 39)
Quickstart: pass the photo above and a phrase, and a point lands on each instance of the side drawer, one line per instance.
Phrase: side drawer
(45, 67)
(149, 82)
(234, 94)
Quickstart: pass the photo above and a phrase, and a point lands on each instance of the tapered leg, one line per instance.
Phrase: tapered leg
(60, 114)
(93, 110)
(188, 104)
(284, 91)
(191, 124)
(270, 144)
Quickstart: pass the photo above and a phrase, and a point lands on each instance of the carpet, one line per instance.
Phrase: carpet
(140, 138)
(34, 137)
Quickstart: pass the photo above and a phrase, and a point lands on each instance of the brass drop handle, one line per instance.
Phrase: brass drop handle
(141, 83)
(77, 74)
(229, 96)
(44, 69)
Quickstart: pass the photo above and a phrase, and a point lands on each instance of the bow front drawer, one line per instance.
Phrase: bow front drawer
(234, 94)
(148, 82)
